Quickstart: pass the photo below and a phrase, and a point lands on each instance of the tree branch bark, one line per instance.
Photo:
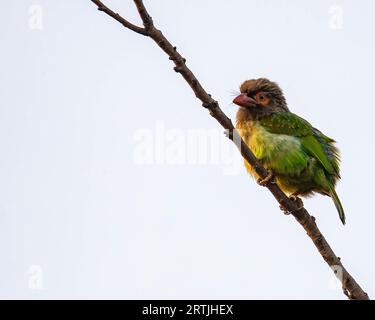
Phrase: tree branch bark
(350, 287)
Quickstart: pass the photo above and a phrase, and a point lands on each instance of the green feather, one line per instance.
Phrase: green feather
(314, 148)
(303, 159)
(287, 123)
(290, 124)
(338, 204)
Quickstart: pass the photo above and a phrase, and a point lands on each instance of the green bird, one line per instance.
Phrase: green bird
(300, 158)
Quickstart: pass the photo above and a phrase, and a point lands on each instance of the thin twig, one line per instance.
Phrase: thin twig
(350, 287)
(116, 16)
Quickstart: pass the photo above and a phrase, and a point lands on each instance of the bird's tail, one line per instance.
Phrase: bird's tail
(338, 204)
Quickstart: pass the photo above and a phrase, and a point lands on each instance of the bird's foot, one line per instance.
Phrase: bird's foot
(284, 209)
(295, 199)
(270, 177)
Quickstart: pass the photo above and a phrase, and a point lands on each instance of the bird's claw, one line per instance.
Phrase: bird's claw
(295, 199)
(284, 209)
(269, 177)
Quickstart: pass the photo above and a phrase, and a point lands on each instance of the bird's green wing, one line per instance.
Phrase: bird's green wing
(288, 123)
(311, 144)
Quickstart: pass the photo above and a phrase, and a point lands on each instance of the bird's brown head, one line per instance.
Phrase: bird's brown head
(260, 97)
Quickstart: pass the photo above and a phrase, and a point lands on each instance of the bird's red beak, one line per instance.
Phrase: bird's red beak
(245, 101)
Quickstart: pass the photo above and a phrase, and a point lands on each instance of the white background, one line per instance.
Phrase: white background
(93, 223)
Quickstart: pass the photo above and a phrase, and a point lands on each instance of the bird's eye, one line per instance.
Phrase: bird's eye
(262, 98)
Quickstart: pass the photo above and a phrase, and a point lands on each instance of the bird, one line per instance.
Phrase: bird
(300, 159)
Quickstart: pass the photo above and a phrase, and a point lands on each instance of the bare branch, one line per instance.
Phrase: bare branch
(116, 16)
(146, 18)
(350, 287)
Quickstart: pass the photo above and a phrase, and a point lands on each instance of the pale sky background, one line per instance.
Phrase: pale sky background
(81, 218)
